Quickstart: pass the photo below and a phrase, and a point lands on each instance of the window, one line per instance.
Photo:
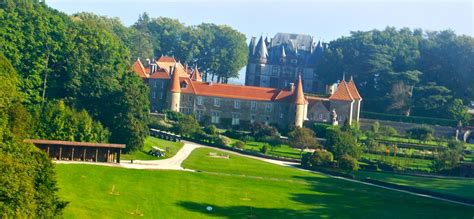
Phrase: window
(281, 115)
(154, 83)
(252, 118)
(190, 98)
(162, 84)
(267, 120)
(153, 95)
(320, 116)
(198, 115)
(253, 105)
(275, 70)
(215, 117)
(200, 100)
(237, 104)
(217, 101)
(268, 107)
(235, 119)
(162, 95)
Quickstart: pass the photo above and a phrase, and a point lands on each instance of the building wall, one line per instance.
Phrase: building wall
(159, 96)
(318, 112)
(344, 110)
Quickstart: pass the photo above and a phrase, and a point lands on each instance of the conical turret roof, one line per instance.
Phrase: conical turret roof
(175, 87)
(299, 95)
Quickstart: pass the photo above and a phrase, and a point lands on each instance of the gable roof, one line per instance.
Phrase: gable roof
(353, 90)
(138, 68)
(160, 74)
(342, 93)
(164, 59)
(196, 76)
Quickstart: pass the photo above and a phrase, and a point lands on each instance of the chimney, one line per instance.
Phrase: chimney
(292, 87)
(171, 69)
(152, 68)
(148, 62)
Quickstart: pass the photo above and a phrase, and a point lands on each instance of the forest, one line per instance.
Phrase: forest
(406, 72)
(68, 77)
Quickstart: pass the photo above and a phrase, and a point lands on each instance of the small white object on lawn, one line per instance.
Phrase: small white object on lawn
(209, 208)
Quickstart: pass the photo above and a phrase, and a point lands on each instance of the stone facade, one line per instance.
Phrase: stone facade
(277, 62)
(180, 89)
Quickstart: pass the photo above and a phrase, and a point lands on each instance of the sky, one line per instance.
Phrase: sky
(325, 20)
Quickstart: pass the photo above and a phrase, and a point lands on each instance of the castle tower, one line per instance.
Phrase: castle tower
(175, 91)
(300, 103)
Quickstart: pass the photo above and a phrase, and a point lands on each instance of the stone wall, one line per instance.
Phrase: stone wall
(402, 127)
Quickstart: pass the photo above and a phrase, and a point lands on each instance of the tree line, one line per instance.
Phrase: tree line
(404, 71)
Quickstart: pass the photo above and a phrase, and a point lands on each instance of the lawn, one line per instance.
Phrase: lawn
(282, 150)
(235, 188)
(170, 147)
(454, 186)
(412, 163)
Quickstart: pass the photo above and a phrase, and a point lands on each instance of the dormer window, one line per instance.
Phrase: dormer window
(184, 85)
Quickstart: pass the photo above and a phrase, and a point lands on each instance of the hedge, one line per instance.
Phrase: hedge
(409, 119)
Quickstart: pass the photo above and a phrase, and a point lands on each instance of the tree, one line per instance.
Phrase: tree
(446, 160)
(459, 112)
(261, 131)
(302, 138)
(187, 125)
(340, 143)
(239, 144)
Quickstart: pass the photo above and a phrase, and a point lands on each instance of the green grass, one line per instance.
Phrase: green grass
(413, 163)
(454, 186)
(152, 141)
(236, 188)
(282, 150)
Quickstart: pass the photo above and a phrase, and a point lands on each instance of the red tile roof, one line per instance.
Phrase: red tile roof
(196, 76)
(236, 91)
(160, 74)
(166, 59)
(353, 90)
(138, 68)
(342, 93)
(175, 85)
(299, 95)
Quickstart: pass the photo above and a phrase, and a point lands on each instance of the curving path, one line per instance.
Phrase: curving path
(174, 163)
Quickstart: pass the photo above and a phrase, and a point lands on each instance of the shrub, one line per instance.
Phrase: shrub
(160, 124)
(388, 130)
(409, 119)
(222, 141)
(232, 133)
(247, 138)
(265, 148)
(320, 129)
(375, 127)
(340, 143)
(173, 115)
(259, 130)
(348, 163)
(211, 130)
(446, 160)
(422, 132)
(321, 158)
(239, 144)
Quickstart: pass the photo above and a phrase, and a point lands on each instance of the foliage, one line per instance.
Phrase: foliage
(222, 140)
(446, 160)
(56, 121)
(341, 143)
(459, 111)
(302, 138)
(402, 71)
(211, 130)
(422, 132)
(321, 158)
(159, 123)
(409, 119)
(320, 129)
(187, 125)
(375, 127)
(265, 148)
(259, 130)
(387, 130)
(348, 163)
(239, 144)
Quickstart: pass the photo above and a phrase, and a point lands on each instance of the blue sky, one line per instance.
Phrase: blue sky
(326, 20)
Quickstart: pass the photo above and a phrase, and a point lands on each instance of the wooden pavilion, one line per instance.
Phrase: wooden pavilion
(80, 151)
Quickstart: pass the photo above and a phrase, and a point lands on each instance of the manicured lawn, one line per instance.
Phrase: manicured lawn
(263, 191)
(413, 163)
(172, 146)
(282, 150)
(455, 186)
